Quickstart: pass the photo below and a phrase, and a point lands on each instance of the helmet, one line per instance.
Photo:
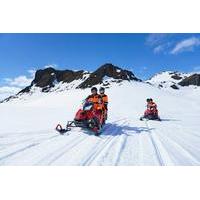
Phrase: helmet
(148, 100)
(93, 89)
(101, 89)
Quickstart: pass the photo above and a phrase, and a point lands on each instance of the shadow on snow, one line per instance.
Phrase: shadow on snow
(115, 129)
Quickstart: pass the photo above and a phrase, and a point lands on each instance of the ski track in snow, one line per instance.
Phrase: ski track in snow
(180, 150)
(108, 148)
(51, 158)
(154, 143)
(98, 149)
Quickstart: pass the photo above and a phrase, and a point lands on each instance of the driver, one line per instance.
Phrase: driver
(95, 98)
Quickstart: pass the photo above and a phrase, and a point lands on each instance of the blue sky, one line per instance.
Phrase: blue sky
(144, 54)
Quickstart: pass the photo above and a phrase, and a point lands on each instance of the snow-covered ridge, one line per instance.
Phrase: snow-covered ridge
(168, 79)
(51, 80)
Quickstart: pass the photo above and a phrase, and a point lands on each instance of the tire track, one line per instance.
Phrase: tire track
(141, 152)
(18, 151)
(35, 143)
(32, 139)
(186, 152)
(156, 149)
(13, 134)
(101, 146)
(52, 157)
(96, 151)
(66, 150)
(120, 150)
(181, 148)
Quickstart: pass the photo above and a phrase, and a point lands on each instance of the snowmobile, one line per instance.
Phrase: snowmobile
(151, 114)
(86, 117)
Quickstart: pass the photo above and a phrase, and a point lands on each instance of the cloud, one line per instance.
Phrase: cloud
(186, 45)
(9, 90)
(6, 91)
(158, 49)
(159, 42)
(144, 68)
(156, 38)
(32, 72)
(21, 81)
(12, 86)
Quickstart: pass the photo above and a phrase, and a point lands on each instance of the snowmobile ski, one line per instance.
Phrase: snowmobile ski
(62, 130)
(147, 119)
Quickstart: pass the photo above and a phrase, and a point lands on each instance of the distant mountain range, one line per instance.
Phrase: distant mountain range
(50, 79)
(175, 80)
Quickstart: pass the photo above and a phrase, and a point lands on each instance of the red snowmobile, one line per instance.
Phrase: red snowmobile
(86, 117)
(151, 113)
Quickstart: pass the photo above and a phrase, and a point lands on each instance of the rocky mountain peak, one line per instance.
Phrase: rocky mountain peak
(105, 72)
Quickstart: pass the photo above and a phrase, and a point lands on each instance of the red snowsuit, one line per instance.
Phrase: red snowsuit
(151, 109)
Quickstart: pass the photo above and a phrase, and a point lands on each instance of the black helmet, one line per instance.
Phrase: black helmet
(93, 89)
(101, 89)
(148, 99)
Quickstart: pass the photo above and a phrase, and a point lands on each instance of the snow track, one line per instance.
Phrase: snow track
(155, 145)
(98, 151)
(119, 143)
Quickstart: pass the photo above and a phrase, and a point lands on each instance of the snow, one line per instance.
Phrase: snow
(27, 135)
(165, 80)
(6, 91)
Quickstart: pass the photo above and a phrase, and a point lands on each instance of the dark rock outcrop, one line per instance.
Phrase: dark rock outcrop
(191, 80)
(47, 78)
(110, 71)
(174, 87)
(176, 77)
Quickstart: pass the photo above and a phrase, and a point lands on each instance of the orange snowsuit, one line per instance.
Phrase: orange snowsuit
(96, 99)
(104, 102)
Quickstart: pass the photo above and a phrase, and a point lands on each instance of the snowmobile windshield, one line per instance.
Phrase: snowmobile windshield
(88, 106)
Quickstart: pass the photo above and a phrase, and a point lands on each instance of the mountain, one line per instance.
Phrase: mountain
(194, 79)
(167, 79)
(50, 79)
(108, 73)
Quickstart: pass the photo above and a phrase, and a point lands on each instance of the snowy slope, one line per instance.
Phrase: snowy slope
(27, 135)
(167, 79)
(6, 91)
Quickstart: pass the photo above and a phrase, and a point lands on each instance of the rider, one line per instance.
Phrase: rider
(151, 108)
(104, 99)
(94, 98)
